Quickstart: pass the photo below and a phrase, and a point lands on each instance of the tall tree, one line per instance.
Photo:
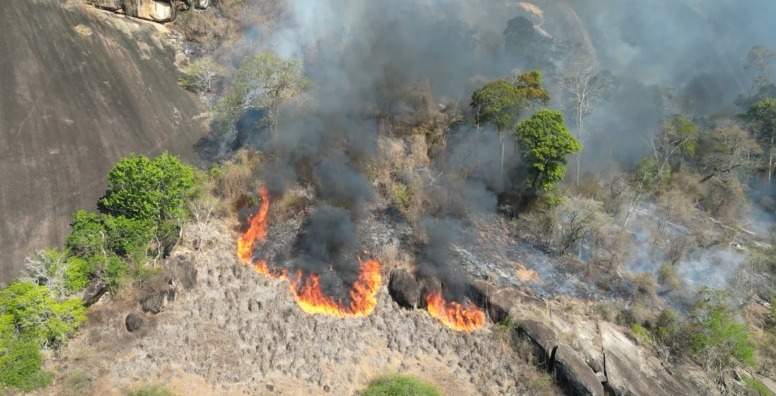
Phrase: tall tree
(761, 118)
(585, 87)
(676, 142)
(759, 60)
(264, 81)
(501, 102)
(545, 143)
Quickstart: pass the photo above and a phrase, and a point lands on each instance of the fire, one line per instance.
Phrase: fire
(257, 231)
(306, 289)
(363, 295)
(461, 317)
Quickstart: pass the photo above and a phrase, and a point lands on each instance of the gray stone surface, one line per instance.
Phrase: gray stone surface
(80, 89)
(574, 374)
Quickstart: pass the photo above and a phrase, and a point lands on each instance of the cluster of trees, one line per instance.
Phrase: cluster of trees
(139, 218)
(542, 139)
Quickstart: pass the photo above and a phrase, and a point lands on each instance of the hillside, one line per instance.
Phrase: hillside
(81, 88)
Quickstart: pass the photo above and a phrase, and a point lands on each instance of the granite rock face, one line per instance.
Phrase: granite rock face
(81, 89)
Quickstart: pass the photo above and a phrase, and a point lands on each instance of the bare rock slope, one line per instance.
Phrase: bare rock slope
(80, 89)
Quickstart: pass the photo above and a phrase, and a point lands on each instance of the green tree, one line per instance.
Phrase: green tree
(501, 102)
(761, 118)
(263, 81)
(200, 74)
(545, 143)
(676, 142)
(147, 189)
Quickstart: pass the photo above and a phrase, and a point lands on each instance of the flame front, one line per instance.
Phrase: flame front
(363, 295)
(257, 230)
(306, 289)
(461, 317)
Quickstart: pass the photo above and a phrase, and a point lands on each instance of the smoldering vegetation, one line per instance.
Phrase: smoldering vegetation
(386, 115)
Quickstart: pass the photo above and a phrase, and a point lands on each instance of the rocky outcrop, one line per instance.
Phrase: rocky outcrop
(574, 374)
(404, 289)
(152, 10)
(133, 322)
(81, 89)
(94, 292)
(543, 338)
(631, 371)
(602, 359)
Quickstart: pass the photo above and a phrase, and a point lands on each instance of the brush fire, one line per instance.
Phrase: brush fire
(306, 288)
(362, 296)
(461, 317)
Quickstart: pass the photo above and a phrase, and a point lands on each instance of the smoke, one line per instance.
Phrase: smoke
(436, 261)
(327, 246)
(363, 57)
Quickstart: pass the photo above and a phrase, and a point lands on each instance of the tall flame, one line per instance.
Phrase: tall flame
(257, 230)
(306, 289)
(363, 294)
(461, 317)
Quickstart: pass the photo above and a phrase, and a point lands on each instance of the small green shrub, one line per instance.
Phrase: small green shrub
(77, 383)
(78, 272)
(87, 234)
(400, 385)
(757, 387)
(401, 195)
(21, 365)
(716, 338)
(150, 390)
(641, 334)
(668, 277)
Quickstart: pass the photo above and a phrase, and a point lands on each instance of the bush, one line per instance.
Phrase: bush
(400, 385)
(717, 339)
(87, 234)
(78, 272)
(200, 74)
(21, 365)
(147, 189)
(150, 390)
(30, 319)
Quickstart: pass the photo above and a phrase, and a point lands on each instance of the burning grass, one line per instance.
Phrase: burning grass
(306, 288)
(460, 317)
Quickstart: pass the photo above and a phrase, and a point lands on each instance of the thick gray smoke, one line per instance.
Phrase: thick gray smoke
(364, 56)
(436, 261)
(328, 246)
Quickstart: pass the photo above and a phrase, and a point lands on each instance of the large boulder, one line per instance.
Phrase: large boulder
(543, 338)
(404, 289)
(133, 322)
(94, 291)
(633, 371)
(81, 89)
(573, 374)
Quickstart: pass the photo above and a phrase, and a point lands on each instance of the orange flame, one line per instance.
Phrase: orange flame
(363, 294)
(460, 317)
(257, 231)
(307, 290)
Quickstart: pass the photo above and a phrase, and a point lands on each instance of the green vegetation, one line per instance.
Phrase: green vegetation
(145, 203)
(757, 387)
(716, 337)
(400, 385)
(545, 143)
(31, 319)
(200, 74)
(274, 78)
(150, 390)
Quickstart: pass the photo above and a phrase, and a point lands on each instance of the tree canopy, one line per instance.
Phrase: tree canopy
(500, 102)
(545, 143)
